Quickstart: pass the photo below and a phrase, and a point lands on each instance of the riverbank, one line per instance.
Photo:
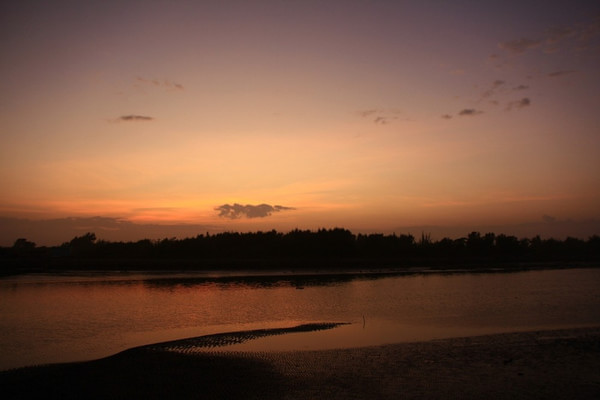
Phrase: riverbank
(557, 364)
(263, 269)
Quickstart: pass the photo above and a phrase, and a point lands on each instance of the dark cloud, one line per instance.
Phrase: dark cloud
(521, 87)
(548, 219)
(524, 102)
(469, 112)
(560, 73)
(520, 45)
(447, 116)
(236, 210)
(164, 83)
(135, 118)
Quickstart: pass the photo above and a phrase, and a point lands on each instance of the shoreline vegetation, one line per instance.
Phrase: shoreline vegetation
(325, 249)
(558, 364)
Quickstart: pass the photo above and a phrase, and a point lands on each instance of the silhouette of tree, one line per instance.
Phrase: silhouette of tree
(82, 245)
(23, 244)
(305, 247)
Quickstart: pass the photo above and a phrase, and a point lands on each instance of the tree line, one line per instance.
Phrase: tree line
(307, 246)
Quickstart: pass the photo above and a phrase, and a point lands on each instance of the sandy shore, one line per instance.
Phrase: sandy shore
(561, 364)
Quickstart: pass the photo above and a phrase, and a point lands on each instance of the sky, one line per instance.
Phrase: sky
(171, 118)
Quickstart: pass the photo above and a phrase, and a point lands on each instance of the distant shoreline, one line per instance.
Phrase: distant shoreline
(270, 266)
(335, 249)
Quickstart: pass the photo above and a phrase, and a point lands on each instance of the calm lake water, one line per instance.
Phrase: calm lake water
(79, 317)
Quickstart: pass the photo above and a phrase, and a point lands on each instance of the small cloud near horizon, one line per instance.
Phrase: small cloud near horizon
(237, 211)
(135, 118)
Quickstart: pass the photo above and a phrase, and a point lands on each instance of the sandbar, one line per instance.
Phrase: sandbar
(554, 364)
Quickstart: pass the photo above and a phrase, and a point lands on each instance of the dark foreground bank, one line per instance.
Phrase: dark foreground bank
(561, 364)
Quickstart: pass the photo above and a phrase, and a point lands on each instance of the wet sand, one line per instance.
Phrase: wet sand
(560, 364)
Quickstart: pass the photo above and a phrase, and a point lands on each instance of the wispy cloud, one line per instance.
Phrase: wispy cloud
(447, 116)
(521, 87)
(164, 83)
(366, 113)
(521, 45)
(469, 112)
(576, 37)
(237, 211)
(524, 102)
(556, 74)
(135, 118)
(380, 116)
(492, 89)
(382, 120)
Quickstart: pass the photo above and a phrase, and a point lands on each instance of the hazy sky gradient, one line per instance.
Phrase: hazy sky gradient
(371, 115)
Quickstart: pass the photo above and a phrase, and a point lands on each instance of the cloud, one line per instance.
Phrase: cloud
(381, 116)
(560, 73)
(469, 112)
(366, 113)
(524, 102)
(237, 211)
(135, 118)
(548, 219)
(492, 90)
(519, 46)
(381, 120)
(521, 87)
(447, 116)
(581, 37)
(557, 33)
(164, 83)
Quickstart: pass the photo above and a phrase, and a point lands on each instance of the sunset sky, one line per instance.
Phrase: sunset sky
(376, 116)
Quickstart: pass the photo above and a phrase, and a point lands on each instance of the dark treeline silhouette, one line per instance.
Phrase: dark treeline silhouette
(301, 248)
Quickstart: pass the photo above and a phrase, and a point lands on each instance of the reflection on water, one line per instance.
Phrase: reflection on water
(74, 317)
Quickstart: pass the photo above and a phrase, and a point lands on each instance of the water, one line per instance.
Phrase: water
(78, 317)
